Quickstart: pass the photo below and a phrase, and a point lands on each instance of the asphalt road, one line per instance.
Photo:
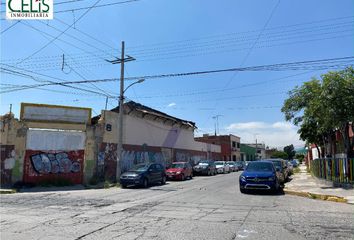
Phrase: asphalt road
(202, 208)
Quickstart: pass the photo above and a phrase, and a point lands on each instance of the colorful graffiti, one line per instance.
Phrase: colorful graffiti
(7, 164)
(49, 165)
(54, 163)
(131, 158)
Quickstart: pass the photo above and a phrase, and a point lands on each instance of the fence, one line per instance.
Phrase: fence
(339, 170)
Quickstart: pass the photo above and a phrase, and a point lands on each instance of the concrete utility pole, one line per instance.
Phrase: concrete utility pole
(120, 116)
(121, 60)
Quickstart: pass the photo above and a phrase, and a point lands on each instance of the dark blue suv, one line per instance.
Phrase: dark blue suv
(259, 175)
(143, 175)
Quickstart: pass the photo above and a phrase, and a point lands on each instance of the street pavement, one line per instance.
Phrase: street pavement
(202, 208)
(304, 182)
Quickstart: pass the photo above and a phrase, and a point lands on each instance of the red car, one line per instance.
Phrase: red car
(180, 171)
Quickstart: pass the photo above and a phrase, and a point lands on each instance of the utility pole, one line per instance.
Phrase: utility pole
(120, 116)
(121, 60)
(255, 135)
(216, 117)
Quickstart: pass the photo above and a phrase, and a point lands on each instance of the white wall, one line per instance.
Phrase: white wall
(55, 140)
(140, 131)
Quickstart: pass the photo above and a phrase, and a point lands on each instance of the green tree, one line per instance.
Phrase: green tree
(320, 107)
(289, 150)
(279, 154)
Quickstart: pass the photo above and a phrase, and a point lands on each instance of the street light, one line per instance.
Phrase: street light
(120, 126)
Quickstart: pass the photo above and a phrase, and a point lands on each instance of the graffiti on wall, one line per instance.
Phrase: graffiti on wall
(131, 158)
(48, 165)
(54, 163)
(107, 161)
(188, 157)
(7, 164)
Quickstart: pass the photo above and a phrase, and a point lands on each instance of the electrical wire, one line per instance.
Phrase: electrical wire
(47, 44)
(321, 64)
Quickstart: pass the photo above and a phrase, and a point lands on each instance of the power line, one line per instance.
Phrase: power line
(34, 53)
(97, 6)
(313, 65)
(216, 48)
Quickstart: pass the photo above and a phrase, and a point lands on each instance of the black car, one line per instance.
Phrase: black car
(205, 167)
(144, 175)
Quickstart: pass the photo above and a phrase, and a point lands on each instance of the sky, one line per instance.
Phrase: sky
(166, 37)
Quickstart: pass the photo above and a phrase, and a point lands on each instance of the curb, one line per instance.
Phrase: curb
(323, 197)
(8, 191)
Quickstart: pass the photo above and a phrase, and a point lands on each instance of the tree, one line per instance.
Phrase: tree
(289, 150)
(321, 107)
(279, 154)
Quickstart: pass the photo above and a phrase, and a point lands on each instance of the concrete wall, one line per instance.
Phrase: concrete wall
(61, 151)
(139, 131)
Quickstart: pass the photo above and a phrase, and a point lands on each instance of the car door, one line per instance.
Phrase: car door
(160, 172)
(152, 173)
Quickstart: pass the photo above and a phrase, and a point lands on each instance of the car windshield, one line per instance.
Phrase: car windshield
(203, 163)
(140, 167)
(277, 163)
(177, 165)
(219, 163)
(259, 167)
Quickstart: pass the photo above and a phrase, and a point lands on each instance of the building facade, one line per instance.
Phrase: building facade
(248, 153)
(260, 149)
(230, 145)
(52, 143)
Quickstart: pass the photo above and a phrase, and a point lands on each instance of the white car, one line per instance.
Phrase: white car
(222, 167)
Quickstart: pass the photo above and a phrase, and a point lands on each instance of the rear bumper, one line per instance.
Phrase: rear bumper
(174, 176)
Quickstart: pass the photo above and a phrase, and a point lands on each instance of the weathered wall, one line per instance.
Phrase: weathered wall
(138, 131)
(12, 133)
(54, 155)
(147, 140)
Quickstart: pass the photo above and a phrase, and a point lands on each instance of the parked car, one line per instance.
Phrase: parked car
(232, 166)
(281, 169)
(222, 167)
(259, 175)
(295, 163)
(180, 171)
(239, 165)
(143, 175)
(290, 168)
(205, 167)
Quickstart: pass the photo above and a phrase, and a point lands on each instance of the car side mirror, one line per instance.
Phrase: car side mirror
(150, 169)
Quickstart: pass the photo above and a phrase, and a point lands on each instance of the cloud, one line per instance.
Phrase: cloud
(171, 104)
(277, 134)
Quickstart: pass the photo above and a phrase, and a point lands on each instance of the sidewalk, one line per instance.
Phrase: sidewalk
(303, 184)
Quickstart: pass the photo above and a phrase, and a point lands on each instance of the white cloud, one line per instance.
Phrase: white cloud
(277, 134)
(171, 104)
(247, 125)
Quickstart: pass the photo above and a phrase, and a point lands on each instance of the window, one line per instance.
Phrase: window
(238, 145)
(233, 144)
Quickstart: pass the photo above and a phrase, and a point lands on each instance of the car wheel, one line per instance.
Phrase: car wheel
(145, 183)
(124, 186)
(191, 176)
(163, 181)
